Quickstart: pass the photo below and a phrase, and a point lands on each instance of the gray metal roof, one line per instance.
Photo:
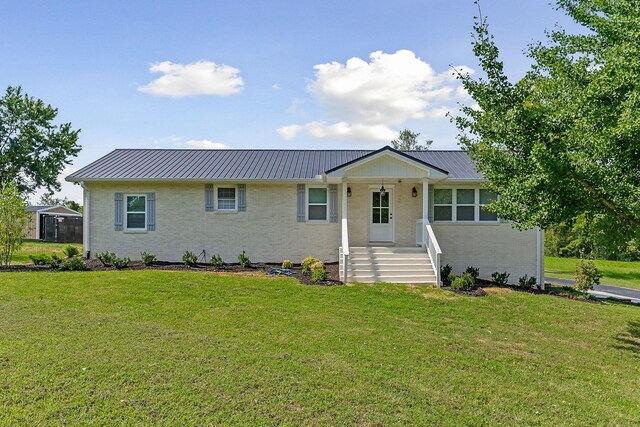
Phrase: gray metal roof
(147, 164)
(38, 207)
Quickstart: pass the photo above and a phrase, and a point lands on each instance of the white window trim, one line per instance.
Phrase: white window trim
(454, 205)
(480, 205)
(307, 203)
(126, 213)
(474, 205)
(215, 198)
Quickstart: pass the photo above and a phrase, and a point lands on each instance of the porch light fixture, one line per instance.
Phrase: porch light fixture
(348, 191)
(382, 189)
(414, 192)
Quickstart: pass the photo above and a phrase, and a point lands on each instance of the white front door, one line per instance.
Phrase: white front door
(381, 216)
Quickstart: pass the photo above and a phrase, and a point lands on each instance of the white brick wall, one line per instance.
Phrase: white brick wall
(489, 247)
(267, 231)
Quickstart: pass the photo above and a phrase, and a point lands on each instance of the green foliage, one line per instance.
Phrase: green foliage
(33, 150)
(56, 261)
(244, 260)
(587, 275)
(445, 272)
(216, 261)
(579, 237)
(70, 251)
(73, 264)
(318, 274)
(408, 141)
(106, 258)
(13, 215)
(189, 258)
(287, 264)
(473, 272)
(40, 259)
(526, 282)
(148, 258)
(463, 283)
(450, 278)
(121, 263)
(562, 141)
(500, 279)
(307, 263)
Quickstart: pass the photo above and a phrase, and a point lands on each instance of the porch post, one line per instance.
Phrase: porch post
(425, 200)
(345, 233)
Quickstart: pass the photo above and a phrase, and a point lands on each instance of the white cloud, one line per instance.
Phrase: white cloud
(197, 78)
(205, 144)
(276, 86)
(367, 100)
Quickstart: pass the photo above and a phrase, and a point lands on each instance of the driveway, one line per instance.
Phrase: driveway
(603, 291)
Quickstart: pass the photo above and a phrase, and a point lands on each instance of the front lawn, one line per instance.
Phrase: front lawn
(182, 348)
(617, 273)
(34, 247)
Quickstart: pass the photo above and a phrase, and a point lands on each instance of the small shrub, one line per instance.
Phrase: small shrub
(55, 261)
(587, 276)
(473, 272)
(189, 258)
(148, 259)
(216, 261)
(73, 264)
(463, 283)
(526, 282)
(287, 264)
(319, 275)
(316, 265)
(500, 279)
(244, 260)
(71, 251)
(121, 263)
(40, 259)
(450, 278)
(445, 272)
(307, 263)
(106, 258)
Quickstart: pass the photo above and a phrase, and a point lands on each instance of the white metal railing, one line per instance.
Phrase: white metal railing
(345, 250)
(430, 243)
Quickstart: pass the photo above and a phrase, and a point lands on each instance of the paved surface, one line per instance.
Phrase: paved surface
(602, 290)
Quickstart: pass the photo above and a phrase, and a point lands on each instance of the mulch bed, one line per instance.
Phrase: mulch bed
(474, 292)
(333, 276)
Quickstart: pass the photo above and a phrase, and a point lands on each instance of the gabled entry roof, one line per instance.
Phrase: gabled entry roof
(277, 165)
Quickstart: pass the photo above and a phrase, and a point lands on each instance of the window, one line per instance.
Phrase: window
(226, 198)
(462, 204)
(443, 204)
(136, 212)
(465, 204)
(317, 206)
(486, 197)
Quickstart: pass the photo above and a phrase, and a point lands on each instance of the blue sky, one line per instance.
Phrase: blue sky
(254, 74)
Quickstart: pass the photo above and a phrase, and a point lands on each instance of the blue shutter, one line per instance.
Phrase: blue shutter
(151, 211)
(208, 197)
(301, 201)
(119, 213)
(242, 197)
(333, 202)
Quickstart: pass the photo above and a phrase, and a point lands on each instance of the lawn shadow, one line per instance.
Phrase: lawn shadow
(630, 340)
(631, 276)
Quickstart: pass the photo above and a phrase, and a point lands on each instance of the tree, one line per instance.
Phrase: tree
(13, 218)
(49, 200)
(33, 150)
(408, 141)
(564, 140)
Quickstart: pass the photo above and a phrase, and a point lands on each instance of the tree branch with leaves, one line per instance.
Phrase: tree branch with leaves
(564, 140)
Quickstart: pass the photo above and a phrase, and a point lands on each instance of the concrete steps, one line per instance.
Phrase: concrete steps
(371, 264)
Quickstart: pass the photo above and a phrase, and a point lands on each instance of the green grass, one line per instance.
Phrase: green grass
(617, 273)
(32, 247)
(181, 348)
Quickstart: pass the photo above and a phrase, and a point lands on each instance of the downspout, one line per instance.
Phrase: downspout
(540, 257)
(86, 214)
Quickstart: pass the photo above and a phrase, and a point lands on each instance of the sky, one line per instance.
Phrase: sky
(255, 74)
